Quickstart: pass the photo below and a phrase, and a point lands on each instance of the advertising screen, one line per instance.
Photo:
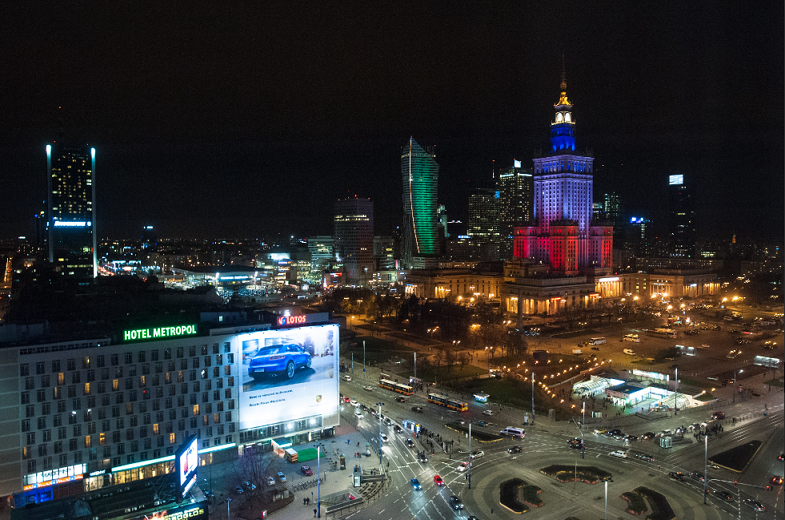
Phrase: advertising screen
(187, 461)
(287, 374)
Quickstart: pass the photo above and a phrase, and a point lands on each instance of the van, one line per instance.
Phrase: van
(597, 341)
(513, 432)
(628, 351)
(632, 337)
(291, 455)
(577, 351)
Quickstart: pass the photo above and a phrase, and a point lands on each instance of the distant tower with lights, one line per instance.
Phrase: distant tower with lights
(353, 239)
(562, 234)
(420, 175)
(71, 209)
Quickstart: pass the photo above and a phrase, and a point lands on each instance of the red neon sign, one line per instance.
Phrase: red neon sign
(291, 320)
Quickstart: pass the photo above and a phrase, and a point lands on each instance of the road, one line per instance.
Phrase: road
(545, 444)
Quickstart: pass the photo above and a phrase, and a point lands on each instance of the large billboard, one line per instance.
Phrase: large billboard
(287, 374)
(186, 462)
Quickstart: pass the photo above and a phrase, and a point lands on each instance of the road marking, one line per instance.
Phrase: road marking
(380, 512)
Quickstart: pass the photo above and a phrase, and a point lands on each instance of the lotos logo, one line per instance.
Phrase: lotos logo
(291, 320)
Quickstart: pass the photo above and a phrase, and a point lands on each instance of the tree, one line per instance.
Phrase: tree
(253, 467)
(516, 343)
(462, 359)
(449, 358)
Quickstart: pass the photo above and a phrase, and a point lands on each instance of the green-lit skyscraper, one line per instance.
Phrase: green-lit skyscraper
(420, 221)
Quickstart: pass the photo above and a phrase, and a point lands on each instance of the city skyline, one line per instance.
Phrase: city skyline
(258, 117)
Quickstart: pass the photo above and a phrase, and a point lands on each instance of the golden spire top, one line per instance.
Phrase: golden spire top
(563, 97)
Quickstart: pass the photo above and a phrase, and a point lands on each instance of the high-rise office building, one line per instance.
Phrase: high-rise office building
(484, 221)
(71, 210)
(681, 227)
(563, 235)
(516, 200)
(353, 234)
(420, 174)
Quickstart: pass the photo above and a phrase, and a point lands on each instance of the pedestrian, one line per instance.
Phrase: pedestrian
(314, 513)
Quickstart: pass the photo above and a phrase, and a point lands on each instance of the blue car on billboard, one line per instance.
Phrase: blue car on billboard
(278, 359)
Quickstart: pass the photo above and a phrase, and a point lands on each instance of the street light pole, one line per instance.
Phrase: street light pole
(415, 365)
(469, 474)
(676, 394)
(583, 428)
(228, 509)
(318, 480)
(606, 500)
(380, 437)
(705, 465)
(363, 359)
(532, 397)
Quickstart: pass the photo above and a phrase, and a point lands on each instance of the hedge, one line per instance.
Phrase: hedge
(635, 503)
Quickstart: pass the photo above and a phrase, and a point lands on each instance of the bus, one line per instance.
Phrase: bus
(662, 333)
(396, 387)
(452, 404)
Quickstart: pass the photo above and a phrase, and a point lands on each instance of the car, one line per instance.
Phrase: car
(385, 438)
(724, 495)
(776, 480)
(754, 504)
(306, 470)
(479, 453)
(347, 378)
(575, 443)
(417, 409)
(248, 485)
(613, 433)
(482, 423)
(388, 421)
(718, 415)
(415, 484)
(364, 408)
(456, 503)
(618, 453)
(400, 399)
(397, 429)
(463, 467)
(630, 438)
(696, 475)
(410, 443)
(438, 480)
(281, 476)
(781, 457)
(694, 426)
(487, 412)
(270, 481)
(644, 456)
(705, 345)
(358, 412)
(369, 388)
(514, 449)
(354, 402)
(278, 360)
(677, 476)
(422, 457)
(600, 431)
(346, 399)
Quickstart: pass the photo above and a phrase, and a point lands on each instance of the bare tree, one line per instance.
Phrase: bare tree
(449, 359)
(252, 467)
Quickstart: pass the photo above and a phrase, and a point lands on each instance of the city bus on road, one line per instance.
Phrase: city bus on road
(396, 387)
(662, 333)
(447, 402)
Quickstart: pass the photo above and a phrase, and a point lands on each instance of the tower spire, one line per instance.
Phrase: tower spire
(563, 97)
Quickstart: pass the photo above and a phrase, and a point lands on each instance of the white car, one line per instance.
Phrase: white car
(358, 412)
(347, 378)
(369, 388)
(477, 454)
(385, 438)
(487, 412)
(463, 467)
(354, 402)
(270, 481)
(618, 453)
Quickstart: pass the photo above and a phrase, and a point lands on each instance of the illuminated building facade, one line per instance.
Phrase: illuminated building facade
(71, 210)
(562, 234)
(353, 239)
(516, 201)
(420, 175)
(484, 221)
(681, 230)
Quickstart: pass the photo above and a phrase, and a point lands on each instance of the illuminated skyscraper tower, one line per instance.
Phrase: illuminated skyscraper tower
(562, 234)
(353, 236)
(71, 210)
(420, 175)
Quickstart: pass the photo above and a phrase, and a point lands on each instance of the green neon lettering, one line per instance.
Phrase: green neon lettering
(126, 335)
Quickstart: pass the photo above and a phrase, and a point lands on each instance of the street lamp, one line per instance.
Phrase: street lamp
(469, 473)
(676, 394)
(381, 470)
(583, 428)
(532, 397)
(318, 480)
(736, 382)
(228, 509)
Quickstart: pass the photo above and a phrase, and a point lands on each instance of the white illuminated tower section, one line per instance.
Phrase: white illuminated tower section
(71, 210)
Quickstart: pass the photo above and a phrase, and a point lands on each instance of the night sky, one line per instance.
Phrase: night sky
(227, 120)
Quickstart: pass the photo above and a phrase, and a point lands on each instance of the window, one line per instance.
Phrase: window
(25, 397)
(153, 355)
(172, 438)
(168, 353)
(30, 383)
(86, 389)
(61, 378)
(40, 367)
(99, 361)
(55, 365)
(132, 370)
(30, 410)
(141, 356)
(71, 365)
(86, 362)
(30, 438)
(115, 359)
(46, 408)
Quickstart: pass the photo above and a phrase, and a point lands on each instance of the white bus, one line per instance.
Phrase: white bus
(597, 341)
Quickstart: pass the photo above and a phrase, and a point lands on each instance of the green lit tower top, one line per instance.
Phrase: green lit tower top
(420, 175)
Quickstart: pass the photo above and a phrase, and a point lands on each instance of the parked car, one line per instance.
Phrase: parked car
(248, 485)
(281, 477)
(270, 481)
(347, 378)
(354, 402)
(487, 412)
(482, 423)
(306, 470)
(415, 484)
(630, 438)
(238, 490)
(647, 436)
(278, 359)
